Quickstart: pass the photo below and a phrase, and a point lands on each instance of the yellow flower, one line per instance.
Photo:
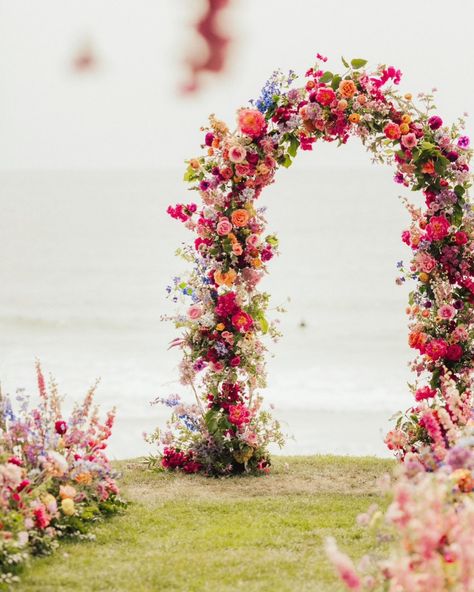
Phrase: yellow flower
(48, 499)
(408, 96)
(406, 118)
(220, 327)
(67, 506)
(424, 277)
(404, 128)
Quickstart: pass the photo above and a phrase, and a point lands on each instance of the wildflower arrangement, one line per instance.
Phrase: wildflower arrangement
(428, 528)
(55, 477)
(226, 317)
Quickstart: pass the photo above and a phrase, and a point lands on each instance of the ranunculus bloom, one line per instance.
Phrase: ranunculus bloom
(234, 362)
(447, 312)
(454, 352)
(60, 427)
(392, 131)
(461, 238)
(436, 349)
(435, 122)
(242, 321)
(437, 228)
(240, 217)
(347, 88)
(409, 140)
(224, 226)
(194, 312)
(252, 240)
(325, 96)
(417, 340)
(237, 153)
(251, 122)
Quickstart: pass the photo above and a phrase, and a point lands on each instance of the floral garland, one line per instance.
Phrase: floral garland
(55, 477)
(223, 353)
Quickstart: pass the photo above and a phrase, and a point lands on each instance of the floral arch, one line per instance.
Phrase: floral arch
(226, 431)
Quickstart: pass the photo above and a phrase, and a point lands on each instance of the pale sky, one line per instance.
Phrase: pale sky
(128, 114)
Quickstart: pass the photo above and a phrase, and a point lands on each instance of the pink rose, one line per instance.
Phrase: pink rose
(454, 352)
(243, 170)
(194, 312)
(224, 227)
(460, 333)
(447, 312)
(252, 241)
(436, 349)
(409, 140)
(251, 122)
(237, 153)
(424, 262)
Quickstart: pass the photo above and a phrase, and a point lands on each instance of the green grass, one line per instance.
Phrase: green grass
(188, 533)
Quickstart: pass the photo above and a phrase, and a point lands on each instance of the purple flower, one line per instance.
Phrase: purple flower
(463, 142)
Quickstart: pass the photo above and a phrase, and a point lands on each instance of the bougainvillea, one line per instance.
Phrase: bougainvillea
(223, 353)
(55, 477)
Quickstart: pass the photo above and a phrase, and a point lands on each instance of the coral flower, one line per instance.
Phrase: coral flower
(239, 414)
(409, 140)
(240, 218)
(242, 321)
(428, 168)
(347, 88)
(392, 131)
(251, 122)
(223, 227)
(225, 278)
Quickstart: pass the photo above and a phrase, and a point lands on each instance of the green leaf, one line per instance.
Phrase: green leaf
(345, 63)
(294, 145)
(263, 324)
(326, 77)
(459, 190)
(335, 82)
(358, 63)
(211, 419)
(287, 162)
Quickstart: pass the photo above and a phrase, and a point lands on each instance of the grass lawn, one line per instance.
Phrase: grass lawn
(188, 533)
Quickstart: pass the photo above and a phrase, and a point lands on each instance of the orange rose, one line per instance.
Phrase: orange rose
(225, 278)
(354, 118)
(240, 218)
(84, 478)
(347, 88)
(428, 168)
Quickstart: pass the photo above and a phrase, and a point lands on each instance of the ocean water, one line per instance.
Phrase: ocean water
(86, 256)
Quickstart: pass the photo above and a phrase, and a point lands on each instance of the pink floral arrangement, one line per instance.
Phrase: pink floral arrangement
(55, 476)
(428, 526)
(222, 332)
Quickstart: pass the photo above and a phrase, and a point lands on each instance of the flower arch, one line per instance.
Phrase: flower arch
(226, 430)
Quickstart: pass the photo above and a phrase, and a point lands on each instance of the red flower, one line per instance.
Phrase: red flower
(239, 415)
(227, 305)
(235, 362)
(42, 519)
(15, 461)
(437, 228)
(60, 427)
(392, 131)
(460, 237)
(242, 321)
(325, 96)
(436, 349)
(454, 352)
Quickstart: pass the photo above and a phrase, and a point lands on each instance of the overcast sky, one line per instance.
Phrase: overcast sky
(128, 113)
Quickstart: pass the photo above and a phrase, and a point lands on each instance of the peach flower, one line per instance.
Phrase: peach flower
(237, 153)
(347, 88)
(240, 218)
(223, 227)
(194, 312)
(225, 278)
(251, 122)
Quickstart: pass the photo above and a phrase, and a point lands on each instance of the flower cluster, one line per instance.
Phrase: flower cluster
(55, 477)
(223, 327)
(429, 527)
